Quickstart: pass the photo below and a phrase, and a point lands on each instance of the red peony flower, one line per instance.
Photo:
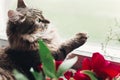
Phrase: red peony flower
(68, 75)
(80, 76)
(57, 64)
(60, 79)
(39, 67)
(103, 68)
(54, 79)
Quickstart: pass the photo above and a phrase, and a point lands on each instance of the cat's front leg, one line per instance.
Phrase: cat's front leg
(69, 45)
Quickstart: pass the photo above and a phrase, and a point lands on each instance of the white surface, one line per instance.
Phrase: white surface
(113, 54)
(2, 18)
(4, 6)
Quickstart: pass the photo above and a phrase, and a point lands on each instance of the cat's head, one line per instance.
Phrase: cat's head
(26, 20)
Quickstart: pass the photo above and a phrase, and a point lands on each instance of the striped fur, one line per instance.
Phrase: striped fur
(25, 27)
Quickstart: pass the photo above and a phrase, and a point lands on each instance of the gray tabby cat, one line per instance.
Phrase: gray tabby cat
(25, 27)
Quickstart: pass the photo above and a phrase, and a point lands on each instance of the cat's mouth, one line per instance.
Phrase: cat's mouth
(41, 30)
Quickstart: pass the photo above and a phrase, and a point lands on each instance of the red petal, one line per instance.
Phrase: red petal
(80, 76)
(68, 75)
(57, 64)
(86, 64)
(40, 67)
(60, 79)
(98, 61)
(112, 70)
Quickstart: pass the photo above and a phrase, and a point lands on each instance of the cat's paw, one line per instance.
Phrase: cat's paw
(82, 37)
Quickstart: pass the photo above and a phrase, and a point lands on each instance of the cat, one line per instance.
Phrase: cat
(25, 27)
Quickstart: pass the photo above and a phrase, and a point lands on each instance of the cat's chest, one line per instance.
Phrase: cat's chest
(24, 58)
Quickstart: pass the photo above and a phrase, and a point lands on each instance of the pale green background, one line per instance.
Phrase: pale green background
(71, 16)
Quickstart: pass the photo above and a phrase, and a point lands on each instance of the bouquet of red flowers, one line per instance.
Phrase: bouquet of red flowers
(96, 68)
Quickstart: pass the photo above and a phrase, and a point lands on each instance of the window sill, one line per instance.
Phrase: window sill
(113, 54)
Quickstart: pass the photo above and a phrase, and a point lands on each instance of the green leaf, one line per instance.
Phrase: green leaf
(37, 75)
(47, 60)
(19, 76)
(114, 78)
(90, 74)
(66, 64)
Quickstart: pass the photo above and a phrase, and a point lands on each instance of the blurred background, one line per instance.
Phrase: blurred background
(98, 18)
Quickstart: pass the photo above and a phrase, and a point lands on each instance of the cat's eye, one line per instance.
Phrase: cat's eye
(38, 20)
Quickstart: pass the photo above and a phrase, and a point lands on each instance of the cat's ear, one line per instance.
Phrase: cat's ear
(21, 4)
